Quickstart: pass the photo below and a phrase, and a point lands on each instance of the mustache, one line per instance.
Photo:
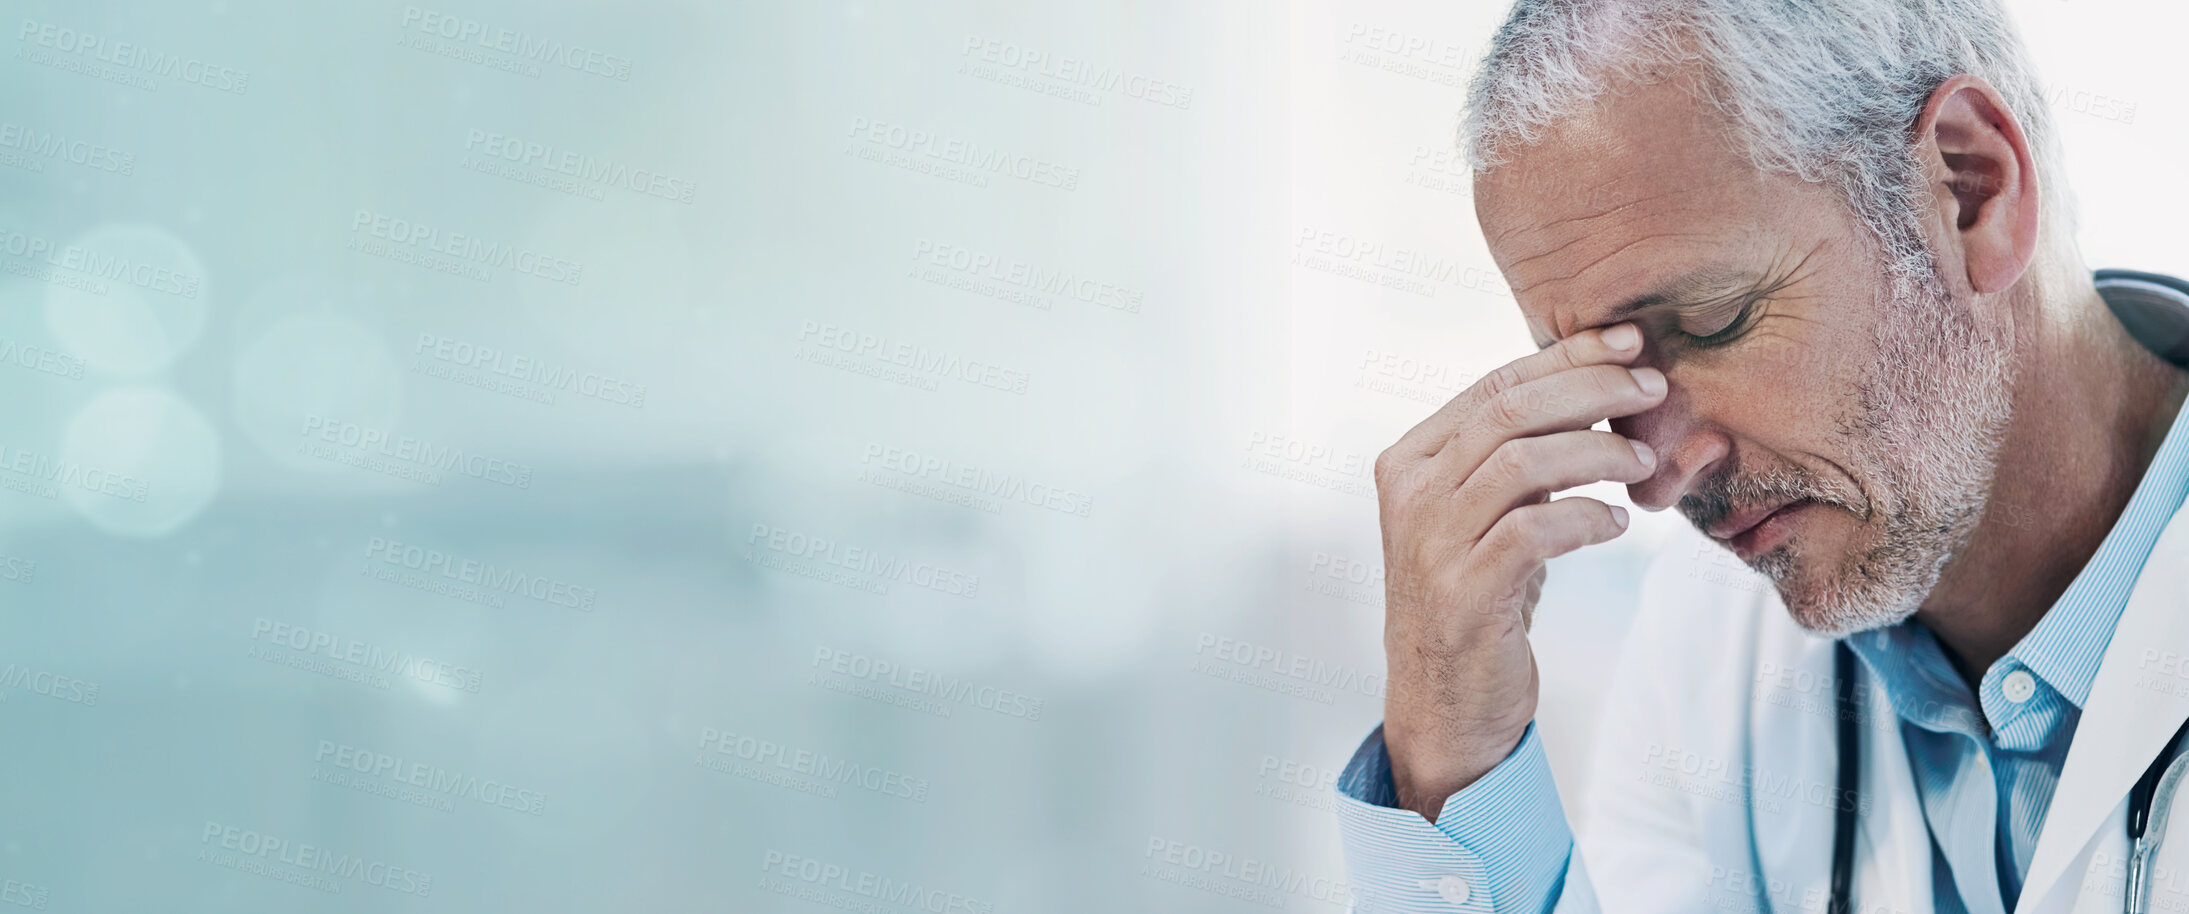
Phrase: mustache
(1730, 491)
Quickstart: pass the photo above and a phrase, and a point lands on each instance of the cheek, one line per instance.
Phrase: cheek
(1826, 538)
(1786, 397)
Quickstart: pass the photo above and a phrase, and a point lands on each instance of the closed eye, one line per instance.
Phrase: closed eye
(1728, 331)
(1741, 311)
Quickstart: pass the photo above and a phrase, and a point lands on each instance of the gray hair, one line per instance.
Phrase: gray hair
(1826, 90)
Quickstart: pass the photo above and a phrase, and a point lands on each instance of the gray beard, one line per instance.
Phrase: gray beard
(1931, 419)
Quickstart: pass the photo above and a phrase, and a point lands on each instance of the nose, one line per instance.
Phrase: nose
(1688, 448)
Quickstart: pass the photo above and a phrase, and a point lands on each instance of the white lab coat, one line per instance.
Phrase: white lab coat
(1714, 771)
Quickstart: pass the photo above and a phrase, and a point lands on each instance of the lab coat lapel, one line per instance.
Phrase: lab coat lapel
(1793, 778)
(1889, 877)
(2136, 703)
(1892, 842)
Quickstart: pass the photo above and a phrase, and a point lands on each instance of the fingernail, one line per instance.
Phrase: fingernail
(1619, 516)
(1650, 380)
(1644, 453)
(1622, 337)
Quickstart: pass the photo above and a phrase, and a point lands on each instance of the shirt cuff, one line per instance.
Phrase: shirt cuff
(1499, 845)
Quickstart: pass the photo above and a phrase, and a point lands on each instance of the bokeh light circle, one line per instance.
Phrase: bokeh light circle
(138, 461)
(126, 298)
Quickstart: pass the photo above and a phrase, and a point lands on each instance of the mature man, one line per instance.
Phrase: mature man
(1813, 262)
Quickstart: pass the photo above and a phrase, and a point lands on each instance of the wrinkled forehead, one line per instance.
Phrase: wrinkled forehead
(1612, 203)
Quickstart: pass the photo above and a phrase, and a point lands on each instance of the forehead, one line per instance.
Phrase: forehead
(1629, 196)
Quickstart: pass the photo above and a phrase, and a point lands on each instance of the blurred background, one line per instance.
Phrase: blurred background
(757, 456)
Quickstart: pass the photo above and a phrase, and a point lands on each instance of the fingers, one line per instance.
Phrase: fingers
(1467, 527)
(1567, 401)
(1617, 344)
(1523, 471)
(1529, 536)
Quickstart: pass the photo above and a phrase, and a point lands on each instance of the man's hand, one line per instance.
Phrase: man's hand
(1467, 525)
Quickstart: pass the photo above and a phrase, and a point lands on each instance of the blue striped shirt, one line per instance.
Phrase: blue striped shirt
(1985, 764)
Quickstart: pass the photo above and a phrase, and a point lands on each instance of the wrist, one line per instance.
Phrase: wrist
(1427, 770)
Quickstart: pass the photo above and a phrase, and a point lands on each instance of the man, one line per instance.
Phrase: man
(1813, 263)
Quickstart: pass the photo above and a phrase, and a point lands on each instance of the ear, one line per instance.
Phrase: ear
(1983, 182)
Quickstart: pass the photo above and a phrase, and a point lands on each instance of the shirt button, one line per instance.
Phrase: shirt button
(1450, 888)
(2018, 686)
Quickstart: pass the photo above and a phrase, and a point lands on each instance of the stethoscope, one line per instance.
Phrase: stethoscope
(2154, 792)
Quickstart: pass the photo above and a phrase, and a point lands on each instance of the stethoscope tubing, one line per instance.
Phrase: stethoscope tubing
(2149, 802)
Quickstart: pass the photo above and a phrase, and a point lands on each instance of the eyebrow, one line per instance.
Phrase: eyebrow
(1703, 286)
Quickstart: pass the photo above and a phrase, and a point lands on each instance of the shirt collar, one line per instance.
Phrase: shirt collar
(2066, 645)
(2064, 648)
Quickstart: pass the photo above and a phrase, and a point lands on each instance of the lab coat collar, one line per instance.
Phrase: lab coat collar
(2133, 709)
